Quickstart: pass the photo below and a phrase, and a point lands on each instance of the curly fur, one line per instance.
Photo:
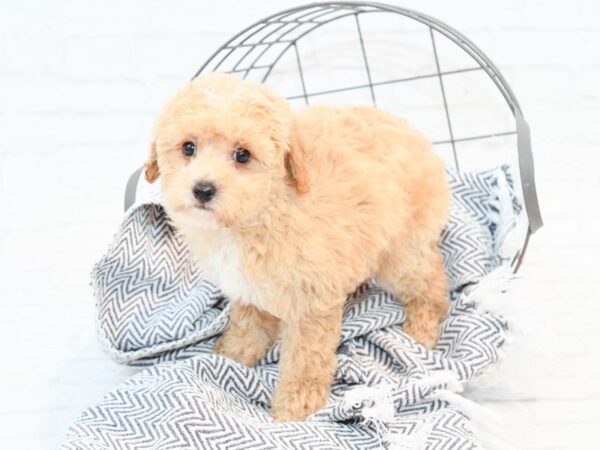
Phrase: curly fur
(330, 197)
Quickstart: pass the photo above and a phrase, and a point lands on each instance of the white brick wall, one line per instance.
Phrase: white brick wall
(80, 85)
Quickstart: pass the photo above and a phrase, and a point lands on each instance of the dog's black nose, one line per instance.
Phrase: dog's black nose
(204, 191)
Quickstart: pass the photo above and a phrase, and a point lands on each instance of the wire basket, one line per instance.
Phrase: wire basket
(399, 60)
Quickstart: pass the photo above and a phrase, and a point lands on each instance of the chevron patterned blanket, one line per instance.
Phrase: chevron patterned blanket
(155, 309)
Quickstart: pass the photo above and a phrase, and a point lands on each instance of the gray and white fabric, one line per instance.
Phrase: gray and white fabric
(155, 309)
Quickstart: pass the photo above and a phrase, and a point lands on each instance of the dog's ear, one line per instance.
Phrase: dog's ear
(151, 172)
(296, 164)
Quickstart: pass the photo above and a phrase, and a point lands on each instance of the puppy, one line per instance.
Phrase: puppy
(290, 211)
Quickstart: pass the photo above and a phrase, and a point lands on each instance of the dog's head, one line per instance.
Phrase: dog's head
(223, 147)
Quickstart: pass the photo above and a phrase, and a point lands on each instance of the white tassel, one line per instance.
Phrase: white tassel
(376, 405)
(414, 441)
(526, 342)
(486, 425)
(378, 410)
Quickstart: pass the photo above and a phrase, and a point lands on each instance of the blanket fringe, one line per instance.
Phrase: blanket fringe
(508, 379)
(377, 408)
(486, 425)
(526, 343)
(378, 413)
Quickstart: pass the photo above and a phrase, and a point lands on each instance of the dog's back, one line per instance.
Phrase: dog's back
(378, 162)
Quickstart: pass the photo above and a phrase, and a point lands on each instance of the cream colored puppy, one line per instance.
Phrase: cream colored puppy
(290, 211)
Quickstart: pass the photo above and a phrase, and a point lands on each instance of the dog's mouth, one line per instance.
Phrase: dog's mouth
(203, 206)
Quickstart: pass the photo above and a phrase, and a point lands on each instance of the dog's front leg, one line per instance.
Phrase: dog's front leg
(307, 365)
(249, 335)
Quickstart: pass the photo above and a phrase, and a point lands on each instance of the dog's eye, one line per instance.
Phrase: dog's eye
(188, 149)
(241, 155)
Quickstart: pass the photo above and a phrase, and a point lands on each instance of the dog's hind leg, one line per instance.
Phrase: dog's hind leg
(249, 335)
(415, 274)
(307, 365)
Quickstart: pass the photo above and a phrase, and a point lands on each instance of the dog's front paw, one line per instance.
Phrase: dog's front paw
(294, 401)
(246, 348)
